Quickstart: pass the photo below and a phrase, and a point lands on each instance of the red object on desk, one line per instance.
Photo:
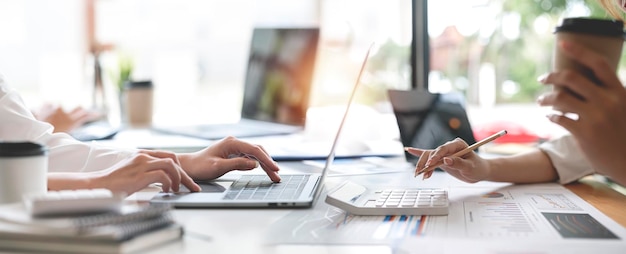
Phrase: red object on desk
(516, 133)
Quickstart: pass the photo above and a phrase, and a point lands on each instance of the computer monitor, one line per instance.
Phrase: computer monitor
(279, 74)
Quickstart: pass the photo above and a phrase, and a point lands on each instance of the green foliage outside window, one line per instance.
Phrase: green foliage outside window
(524, 59)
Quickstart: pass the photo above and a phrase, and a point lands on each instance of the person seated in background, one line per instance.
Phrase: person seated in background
(595, 142)
(79, 165)
(65, 121)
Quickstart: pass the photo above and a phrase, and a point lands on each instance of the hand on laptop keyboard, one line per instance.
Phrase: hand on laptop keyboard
(230, 154)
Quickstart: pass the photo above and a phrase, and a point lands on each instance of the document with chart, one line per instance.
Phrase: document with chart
(547, 211)
(537, 218)
(542, 218)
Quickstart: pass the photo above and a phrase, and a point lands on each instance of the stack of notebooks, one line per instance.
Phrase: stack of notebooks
(133, 229)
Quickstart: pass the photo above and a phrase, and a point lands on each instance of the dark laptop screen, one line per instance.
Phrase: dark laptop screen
(279, 74)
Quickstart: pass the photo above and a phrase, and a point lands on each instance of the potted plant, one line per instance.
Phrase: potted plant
(119, 77)
(123, 73)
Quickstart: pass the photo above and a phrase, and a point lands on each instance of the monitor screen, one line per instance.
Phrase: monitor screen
(279, 74)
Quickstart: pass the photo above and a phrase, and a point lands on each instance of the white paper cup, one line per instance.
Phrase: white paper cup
(23, 170)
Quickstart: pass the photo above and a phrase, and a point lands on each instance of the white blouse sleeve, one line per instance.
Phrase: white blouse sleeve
(65, 154)
(566, 157)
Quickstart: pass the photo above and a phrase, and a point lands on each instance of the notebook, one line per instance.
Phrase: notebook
(277, 86)
(294, 190)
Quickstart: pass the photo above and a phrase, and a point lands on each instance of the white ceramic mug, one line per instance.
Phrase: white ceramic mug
(23, 170)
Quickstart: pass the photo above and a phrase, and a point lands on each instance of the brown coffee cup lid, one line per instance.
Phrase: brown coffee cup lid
(603, 27)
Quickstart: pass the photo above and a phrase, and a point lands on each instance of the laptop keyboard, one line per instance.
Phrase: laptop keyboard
(260, 187)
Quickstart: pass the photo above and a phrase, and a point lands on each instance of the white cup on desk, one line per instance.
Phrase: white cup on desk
(23, 170)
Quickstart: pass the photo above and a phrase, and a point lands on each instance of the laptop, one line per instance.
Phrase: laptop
(247, 190)
(428, 120)
(277, 86)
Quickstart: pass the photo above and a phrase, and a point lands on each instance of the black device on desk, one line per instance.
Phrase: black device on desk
(427, 120)
(98, 130)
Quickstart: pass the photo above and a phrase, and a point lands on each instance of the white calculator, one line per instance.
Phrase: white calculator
(359, 200)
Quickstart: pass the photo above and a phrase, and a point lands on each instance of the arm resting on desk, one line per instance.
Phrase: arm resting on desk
(529, 167)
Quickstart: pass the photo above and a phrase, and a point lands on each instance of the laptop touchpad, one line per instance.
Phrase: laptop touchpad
(209, 187)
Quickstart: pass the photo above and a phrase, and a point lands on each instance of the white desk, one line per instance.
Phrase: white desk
(247, 230)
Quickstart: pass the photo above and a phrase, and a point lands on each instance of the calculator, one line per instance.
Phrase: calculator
(360, 200)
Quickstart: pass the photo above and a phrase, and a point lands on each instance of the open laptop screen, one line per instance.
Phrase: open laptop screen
(279, 74)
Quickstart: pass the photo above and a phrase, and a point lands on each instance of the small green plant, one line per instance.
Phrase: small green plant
(124, 71)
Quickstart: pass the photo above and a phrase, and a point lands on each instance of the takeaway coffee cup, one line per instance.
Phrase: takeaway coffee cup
(138, 96)
(23, 170)
(605, 37)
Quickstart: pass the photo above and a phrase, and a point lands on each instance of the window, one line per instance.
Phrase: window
(349, 28)
(195, 51)
(493, 51)
(42, 51)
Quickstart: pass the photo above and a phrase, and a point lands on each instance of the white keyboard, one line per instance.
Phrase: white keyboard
(359, 200)
(73, 202)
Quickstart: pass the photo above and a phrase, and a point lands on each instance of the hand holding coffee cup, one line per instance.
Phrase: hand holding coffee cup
(604, 37)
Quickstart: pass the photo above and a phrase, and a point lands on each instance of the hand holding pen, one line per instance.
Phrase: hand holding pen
(433, 163)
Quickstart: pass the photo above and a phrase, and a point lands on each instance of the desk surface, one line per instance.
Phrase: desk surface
(603, 197)
(246, 230)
